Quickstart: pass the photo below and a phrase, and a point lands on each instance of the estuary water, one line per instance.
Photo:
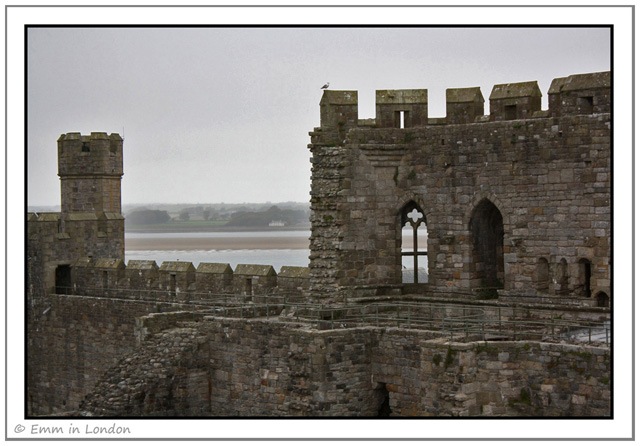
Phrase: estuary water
(276, 248)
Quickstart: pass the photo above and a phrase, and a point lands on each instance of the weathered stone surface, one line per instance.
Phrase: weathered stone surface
(517, 206)
(499, 195)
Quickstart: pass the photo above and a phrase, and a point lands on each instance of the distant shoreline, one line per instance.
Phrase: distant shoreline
(216, 243)
(182, 229)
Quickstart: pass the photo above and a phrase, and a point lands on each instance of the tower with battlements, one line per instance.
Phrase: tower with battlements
(516, 202)
(90, 224)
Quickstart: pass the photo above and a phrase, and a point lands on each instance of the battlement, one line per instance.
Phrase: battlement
(573, 95)
(581, 93)
(181, 281)
(402, 108)
(515, 101)
(97, 153)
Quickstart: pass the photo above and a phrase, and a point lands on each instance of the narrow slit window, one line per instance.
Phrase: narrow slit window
(584, 277)
(401, 119)
(172, 285)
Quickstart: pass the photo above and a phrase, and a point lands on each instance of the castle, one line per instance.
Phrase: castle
(502, 311)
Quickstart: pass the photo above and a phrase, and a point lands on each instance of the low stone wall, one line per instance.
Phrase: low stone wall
(73, 341)
(264, 367)
(513, 379)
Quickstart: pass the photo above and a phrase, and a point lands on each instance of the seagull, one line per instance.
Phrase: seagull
(325, 86)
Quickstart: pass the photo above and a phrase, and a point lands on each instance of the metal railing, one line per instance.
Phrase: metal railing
(463, 322)
(454, 321)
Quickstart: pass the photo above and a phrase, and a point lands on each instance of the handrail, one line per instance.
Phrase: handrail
(451, 320)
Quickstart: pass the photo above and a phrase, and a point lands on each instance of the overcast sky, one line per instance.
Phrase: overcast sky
(223, 114)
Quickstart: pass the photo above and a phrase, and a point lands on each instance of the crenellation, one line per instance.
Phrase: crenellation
(464, 105)
(514, 101)
(401, 108)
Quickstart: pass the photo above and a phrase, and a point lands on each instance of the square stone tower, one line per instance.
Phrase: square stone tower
(90, 171)
(90, 224)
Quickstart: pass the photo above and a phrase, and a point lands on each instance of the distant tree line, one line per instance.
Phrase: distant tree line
(239, 215)
(147, 217)
(263, 218)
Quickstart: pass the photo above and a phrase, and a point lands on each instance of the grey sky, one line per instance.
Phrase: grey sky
(223, 114)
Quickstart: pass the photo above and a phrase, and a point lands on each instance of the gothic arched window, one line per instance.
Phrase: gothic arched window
(414, 251)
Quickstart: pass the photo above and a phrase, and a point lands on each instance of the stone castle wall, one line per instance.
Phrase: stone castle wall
(238, 367)
(182, 282)
(517, 200)
(73, 341)
(57, 241)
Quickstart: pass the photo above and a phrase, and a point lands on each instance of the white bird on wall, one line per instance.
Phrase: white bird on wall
(325, 86)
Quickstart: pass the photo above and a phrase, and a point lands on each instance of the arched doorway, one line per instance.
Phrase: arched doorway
(602, 299)
(415, 262)
(487, 235)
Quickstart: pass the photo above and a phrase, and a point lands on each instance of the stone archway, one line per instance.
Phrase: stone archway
(487, 246)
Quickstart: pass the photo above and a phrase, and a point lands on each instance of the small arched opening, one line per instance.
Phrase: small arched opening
(602, 300)
(383, 402)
